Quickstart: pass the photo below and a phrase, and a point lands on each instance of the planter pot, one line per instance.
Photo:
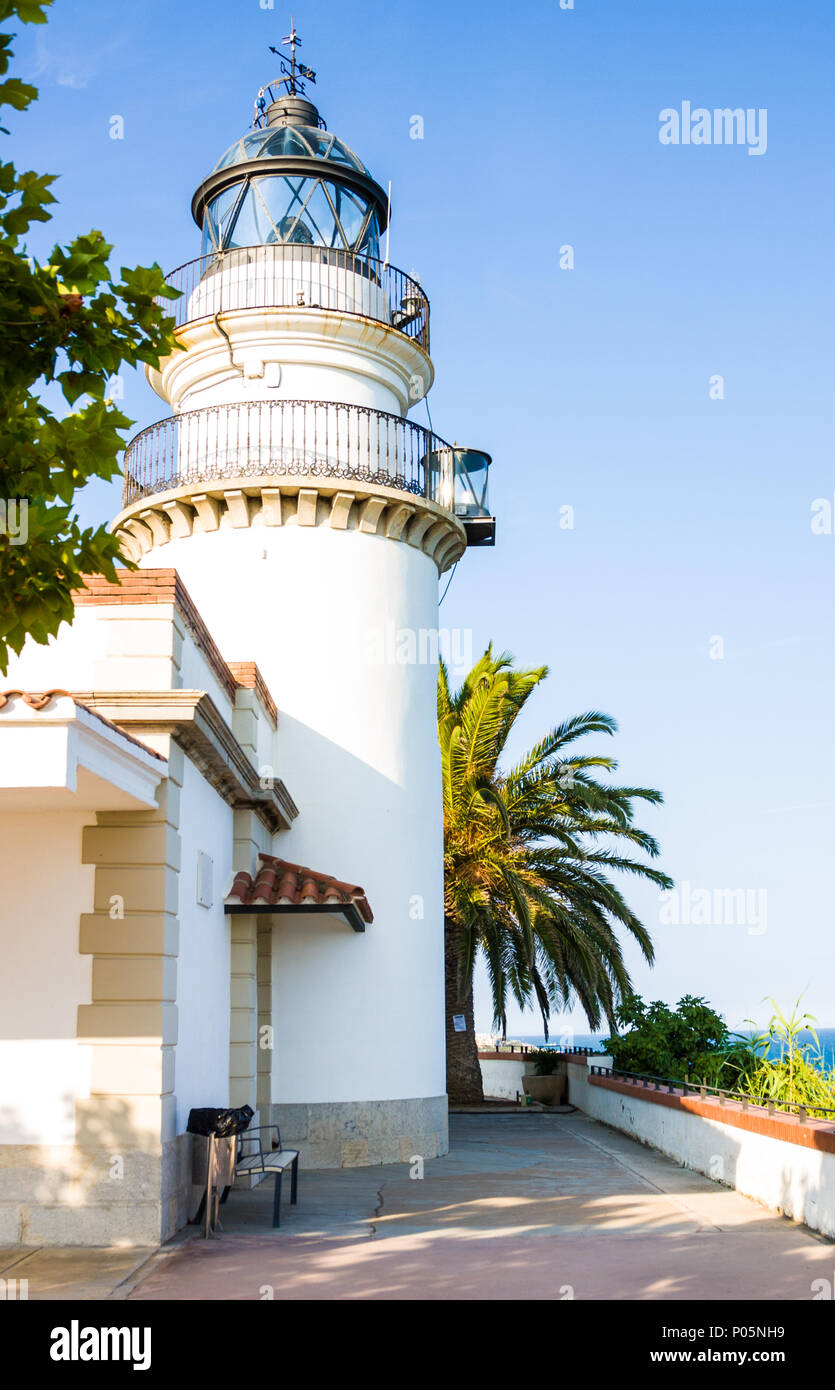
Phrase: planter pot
(550, 1090)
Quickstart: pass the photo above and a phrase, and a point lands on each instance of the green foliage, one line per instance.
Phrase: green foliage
(72, 323)
(546, 1061)
(797, 1075)
(691, 1040)
(528, 851)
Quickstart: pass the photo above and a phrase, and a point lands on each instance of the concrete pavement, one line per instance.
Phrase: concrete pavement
(534, 1206)
(67, 1272)
(525, 1206)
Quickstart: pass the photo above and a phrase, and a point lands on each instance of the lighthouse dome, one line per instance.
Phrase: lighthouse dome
(291, 182)
(287, 141)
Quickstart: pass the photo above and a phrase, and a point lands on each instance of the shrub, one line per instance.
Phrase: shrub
(690, 1040)
(546, 1062)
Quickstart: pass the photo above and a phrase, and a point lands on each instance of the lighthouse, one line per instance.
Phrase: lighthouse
(310, 520)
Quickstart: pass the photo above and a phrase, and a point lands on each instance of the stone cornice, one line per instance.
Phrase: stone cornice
(192, 719)
(278, 500)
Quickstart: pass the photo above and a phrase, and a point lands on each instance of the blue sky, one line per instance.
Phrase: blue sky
(590, 387)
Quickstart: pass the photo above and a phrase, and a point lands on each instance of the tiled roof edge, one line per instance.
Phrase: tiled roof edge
(273, 870)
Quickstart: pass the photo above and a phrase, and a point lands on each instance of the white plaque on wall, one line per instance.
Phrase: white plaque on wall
(205, 877)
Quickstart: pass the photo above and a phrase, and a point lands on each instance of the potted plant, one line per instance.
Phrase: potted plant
(547, 1083)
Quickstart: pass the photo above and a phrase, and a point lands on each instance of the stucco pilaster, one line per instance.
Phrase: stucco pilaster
(127, 1126)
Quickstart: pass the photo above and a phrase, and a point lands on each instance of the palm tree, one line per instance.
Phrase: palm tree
(527, 858)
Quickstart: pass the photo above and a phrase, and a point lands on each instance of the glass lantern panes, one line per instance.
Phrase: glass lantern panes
(291, 209)
(471, 471)
(458, 480)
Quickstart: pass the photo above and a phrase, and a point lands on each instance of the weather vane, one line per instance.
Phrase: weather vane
(294, 76)
(294, 70)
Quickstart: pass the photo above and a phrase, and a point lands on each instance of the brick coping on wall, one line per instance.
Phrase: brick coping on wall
(809, 1134)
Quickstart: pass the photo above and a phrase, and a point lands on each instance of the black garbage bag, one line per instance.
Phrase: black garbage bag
(221, 1123)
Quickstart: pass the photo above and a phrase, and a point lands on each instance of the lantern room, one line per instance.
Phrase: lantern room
(289, 181)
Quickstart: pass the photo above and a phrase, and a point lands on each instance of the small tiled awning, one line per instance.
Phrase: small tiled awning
(282, 887)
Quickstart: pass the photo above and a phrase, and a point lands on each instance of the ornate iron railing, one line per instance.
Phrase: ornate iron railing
(299, 276)
(317, 439)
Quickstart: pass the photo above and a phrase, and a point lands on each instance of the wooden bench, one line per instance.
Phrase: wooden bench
(253, 1157)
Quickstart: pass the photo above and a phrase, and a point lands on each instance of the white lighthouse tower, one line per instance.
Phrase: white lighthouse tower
(310, 521)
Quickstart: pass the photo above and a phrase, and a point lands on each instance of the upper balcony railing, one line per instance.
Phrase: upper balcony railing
(299, 277)
(205, 448)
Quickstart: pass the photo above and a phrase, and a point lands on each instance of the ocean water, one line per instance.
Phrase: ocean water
(826, 1037)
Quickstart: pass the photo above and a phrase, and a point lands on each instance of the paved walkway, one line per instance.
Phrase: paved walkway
(69, 1272)
(524, 1206)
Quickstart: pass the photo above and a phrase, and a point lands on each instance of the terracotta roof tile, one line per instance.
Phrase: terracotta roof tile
(280, 884)
(33, 698)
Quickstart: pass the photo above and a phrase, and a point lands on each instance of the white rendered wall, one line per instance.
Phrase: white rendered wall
(129, 646)
(75, 659)
(501, 1076)
(357, 1017)
(297, 382)
(201, 1075)
(196, 673)
(106, 647)
(44, 1069)
(321, 356)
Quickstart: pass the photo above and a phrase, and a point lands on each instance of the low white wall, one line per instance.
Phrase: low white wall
(501, 1076)
(790, 1178)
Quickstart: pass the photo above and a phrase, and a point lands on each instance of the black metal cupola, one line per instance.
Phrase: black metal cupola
(289, 180)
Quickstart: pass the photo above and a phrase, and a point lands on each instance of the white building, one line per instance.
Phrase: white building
(198, 774)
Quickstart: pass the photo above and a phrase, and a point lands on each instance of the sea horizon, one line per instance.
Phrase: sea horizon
(826, 1037)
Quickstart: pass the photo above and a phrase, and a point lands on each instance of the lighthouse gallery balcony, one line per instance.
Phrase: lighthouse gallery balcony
(299, 276)
(308, 439)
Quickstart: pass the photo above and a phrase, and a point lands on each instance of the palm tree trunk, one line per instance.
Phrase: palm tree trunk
(463, 1071)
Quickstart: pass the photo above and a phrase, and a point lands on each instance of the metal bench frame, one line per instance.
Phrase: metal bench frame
(266, 1161)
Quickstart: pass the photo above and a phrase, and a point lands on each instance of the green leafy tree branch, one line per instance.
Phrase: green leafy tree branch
(72, 323)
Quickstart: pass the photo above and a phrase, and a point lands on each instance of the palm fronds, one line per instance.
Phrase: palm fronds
(529, 853)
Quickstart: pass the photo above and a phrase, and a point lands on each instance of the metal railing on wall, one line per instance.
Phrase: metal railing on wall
(508, 1048)
(677, 1087)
